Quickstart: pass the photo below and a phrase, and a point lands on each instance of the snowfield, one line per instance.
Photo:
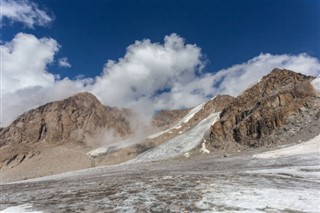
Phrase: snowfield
(180, 144)
(309, 147)
(26, 208)
(274, 181)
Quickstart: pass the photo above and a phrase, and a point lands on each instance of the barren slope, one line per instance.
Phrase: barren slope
(40, 136)
(271, 111)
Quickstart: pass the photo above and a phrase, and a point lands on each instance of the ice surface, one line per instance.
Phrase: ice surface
(26, 208)
(180, 144)
(308, 147)
(310, 172)
(288, 183)
(242, 198)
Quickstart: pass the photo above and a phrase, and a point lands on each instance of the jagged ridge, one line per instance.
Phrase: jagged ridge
(283, 100)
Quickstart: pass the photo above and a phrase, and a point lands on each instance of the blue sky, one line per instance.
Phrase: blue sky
(228, 32)
(149, 55)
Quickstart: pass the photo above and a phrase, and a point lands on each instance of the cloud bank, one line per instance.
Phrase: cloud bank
(149, 77)
(148, 70)
(25, 12)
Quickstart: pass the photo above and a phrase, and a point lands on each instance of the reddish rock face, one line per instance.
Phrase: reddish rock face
(69, 120)
(167, 117)
(277, 103)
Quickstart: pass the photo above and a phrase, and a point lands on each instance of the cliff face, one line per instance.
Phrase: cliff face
(69, 120)
(282, 102)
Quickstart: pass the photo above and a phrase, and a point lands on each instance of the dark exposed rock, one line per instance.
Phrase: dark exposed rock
(216, 104)
(281, 100)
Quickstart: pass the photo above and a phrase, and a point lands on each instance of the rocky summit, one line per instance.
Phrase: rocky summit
(277, 107)
(56, 123)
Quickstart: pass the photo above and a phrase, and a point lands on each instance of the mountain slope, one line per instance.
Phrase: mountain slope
(165, 118)
(279, 105)
(179, 138)
(57, 123)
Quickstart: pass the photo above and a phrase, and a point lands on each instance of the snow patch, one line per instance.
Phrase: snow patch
(308, 147)
(160, 133)
(251, 199)
(310, 172)
(98, 152)
(203, 147)
(213, 98)
(26, 208)
(316, 83)
(192, 113)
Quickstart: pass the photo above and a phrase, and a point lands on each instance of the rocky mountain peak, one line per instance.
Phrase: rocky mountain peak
(58, 121)
(66, 121)
(84, 97)
(82, 101)
(279, 80)
(280, 100)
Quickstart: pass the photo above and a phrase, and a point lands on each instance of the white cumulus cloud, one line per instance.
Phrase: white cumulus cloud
(25, 81)
(24, 11)
(24, 62)
(146, 70)
(149, 77)
(238, 77)
(63, 62)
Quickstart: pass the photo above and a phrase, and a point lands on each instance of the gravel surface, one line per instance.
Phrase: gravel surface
(239, 183)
